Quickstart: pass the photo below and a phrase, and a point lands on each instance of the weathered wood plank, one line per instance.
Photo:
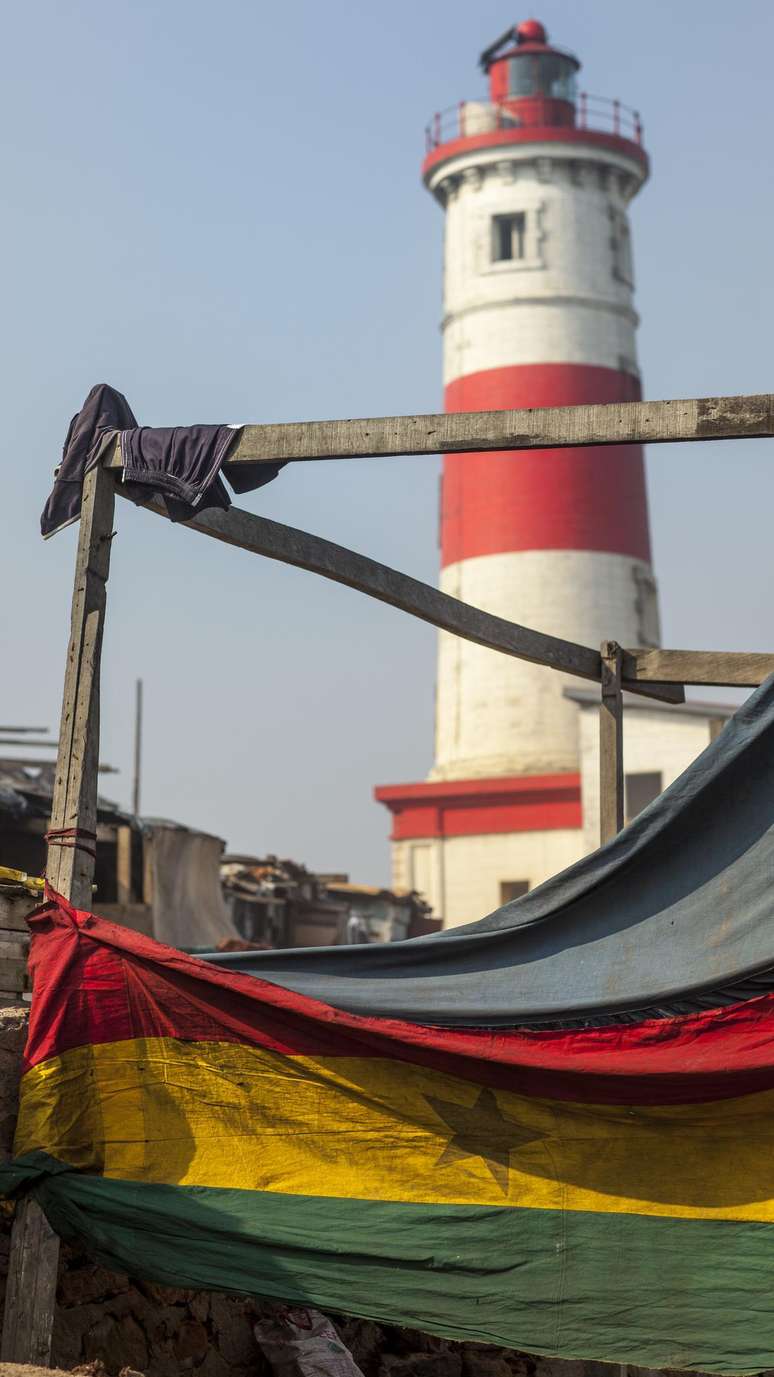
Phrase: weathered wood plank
(13, 974)
(721, 668)
(259, 535)
(559, 427)
(25, 741)
(71, 870)
(33, 1263)
(262, 536)
(31, 762)
(124, 887)
(611, 777)
(14, 910)
(29, 1299)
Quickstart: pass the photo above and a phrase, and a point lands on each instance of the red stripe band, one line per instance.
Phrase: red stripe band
(562, 499)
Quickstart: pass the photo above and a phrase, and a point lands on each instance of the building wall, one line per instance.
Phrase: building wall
(463, 875)
(657, 740)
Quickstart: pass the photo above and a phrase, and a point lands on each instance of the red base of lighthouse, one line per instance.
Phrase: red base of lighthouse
(473, 807)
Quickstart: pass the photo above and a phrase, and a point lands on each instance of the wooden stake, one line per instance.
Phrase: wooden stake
(611, 778)
(32, 1273)
(124, 886)
(33, 1263)
(137, 747)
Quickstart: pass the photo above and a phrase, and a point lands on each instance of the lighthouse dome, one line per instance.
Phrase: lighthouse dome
(534, 81)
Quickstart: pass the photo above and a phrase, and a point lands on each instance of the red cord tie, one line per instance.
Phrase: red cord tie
(70, 836)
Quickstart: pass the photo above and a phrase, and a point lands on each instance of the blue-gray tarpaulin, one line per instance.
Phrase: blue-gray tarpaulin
(676, 913)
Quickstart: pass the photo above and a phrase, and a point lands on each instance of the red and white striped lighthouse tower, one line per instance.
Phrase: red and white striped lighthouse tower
(538, 311)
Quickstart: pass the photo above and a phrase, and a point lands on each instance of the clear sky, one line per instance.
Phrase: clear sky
(217, 209)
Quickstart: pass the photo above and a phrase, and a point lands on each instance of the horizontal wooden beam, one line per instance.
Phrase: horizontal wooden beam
(721, 668)
(274, 540)
(31, 763)
(24, 730)
(556, 427)
(271, 538)
(24, 741)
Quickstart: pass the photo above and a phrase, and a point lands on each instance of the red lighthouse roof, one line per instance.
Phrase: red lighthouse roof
(533, 98)
(531, 80)
(531, 31)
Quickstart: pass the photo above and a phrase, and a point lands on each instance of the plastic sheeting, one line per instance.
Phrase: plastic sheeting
(188, 905)
(676, 913)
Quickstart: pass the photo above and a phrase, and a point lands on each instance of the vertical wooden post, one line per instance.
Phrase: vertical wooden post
(611, 777)
(34, 1257)
(124, 886)
(137, 747)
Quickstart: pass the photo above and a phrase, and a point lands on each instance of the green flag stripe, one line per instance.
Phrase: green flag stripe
(619, 1288)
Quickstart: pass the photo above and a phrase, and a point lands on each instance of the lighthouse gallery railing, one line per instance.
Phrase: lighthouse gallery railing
(470, 118)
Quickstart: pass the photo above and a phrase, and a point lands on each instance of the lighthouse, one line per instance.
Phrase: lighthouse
(535, 184)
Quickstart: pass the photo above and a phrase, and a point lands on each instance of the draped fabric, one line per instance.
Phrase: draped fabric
(675, 914)
(602, 1193)
(188, 903)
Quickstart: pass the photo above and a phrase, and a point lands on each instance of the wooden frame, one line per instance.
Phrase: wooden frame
(611, 776)
(33, 1262)
(659, 674)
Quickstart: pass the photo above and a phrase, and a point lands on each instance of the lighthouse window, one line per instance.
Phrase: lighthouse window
(542, 74)
(508, 237)
(513, 889)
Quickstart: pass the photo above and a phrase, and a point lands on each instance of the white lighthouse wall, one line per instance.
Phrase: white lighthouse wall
(497, 715)
(528, 332)
(569, 298)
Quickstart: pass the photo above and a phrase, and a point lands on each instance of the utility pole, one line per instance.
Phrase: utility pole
(137, 747)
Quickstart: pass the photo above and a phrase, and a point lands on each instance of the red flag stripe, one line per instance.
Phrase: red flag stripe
(149, 990)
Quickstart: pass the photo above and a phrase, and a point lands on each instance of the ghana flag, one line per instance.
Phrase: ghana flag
(605, 1192)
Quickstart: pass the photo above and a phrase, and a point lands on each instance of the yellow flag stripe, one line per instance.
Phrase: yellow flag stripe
(228, 1115)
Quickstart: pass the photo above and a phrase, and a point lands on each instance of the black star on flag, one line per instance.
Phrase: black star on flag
(482, 1130)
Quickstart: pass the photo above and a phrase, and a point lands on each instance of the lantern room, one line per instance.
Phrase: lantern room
(530, 80)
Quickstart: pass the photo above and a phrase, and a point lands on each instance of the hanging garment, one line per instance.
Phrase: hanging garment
(604, 1193)
(181, 464)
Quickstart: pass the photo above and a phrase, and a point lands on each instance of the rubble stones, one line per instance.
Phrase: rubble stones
(191, 1344)
(444, 1363)
(90, 1283)
(118, 1343)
